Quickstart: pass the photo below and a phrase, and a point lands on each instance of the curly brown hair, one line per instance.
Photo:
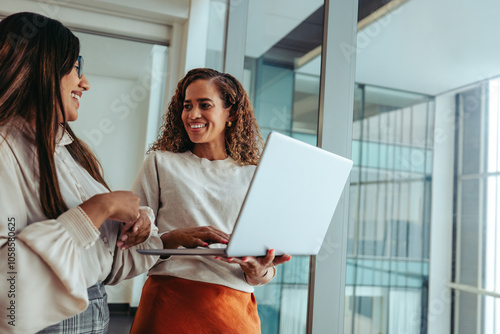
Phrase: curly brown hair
(243, 138)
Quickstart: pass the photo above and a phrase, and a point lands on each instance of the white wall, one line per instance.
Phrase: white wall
(120, 116)
(112, 120)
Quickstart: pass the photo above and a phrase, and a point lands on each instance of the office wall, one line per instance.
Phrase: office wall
(113, 123)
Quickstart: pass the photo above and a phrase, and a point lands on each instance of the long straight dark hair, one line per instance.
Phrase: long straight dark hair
(35, 53)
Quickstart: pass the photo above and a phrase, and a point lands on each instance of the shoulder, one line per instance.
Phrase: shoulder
(18, 156)
(248, 170)
(8, 147)
(156, 157)
(15, 142)
(157, 162)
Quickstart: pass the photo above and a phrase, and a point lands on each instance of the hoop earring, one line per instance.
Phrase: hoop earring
(229, 123)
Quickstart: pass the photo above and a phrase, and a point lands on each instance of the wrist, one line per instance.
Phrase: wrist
(96, 209)
(264, 279)
(168, 242)
(105, 204)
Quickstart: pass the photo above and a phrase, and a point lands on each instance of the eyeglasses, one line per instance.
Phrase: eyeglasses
(80, 66)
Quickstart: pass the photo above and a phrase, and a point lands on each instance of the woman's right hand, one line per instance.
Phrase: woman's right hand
(124, 206)
(117, 205)
(191, 237)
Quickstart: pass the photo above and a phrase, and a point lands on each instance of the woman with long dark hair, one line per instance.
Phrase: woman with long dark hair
(63, 234)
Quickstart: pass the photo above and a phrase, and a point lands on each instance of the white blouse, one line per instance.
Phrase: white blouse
(48, 264)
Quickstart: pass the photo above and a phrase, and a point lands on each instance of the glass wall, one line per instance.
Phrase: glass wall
(388, 244)
(282, 77)
(216, 34)
(388, 238)
(476, 231)
(388, 247)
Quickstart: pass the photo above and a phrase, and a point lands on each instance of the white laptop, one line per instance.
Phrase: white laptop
(289, 204)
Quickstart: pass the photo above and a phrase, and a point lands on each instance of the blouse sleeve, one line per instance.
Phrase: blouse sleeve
(129, 263)
(41, 281)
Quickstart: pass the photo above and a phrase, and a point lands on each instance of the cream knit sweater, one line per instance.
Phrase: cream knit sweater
(187, 191)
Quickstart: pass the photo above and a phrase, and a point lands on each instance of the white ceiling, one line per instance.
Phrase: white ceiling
(107, 56)
(430, 46)
(425, 46)
(159, 11)
(147, 20)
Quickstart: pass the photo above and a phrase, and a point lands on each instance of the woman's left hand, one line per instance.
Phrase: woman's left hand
(135, 233)
(257, 269)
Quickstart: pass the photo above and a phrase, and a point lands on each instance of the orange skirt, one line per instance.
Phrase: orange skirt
(175, 305)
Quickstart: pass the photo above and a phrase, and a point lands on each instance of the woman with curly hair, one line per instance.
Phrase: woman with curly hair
(195, 179)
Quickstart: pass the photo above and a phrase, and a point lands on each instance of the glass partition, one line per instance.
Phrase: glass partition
(282, 77)
(388, 238)
(216, 34)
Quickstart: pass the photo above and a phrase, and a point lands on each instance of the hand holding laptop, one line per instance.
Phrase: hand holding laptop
(258, 270)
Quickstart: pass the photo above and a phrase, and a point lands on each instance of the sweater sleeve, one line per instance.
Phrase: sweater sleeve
(147, 184)
(42, 281)
(129, 263)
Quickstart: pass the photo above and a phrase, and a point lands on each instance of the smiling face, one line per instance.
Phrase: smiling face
(205, 118)
(71, 91)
